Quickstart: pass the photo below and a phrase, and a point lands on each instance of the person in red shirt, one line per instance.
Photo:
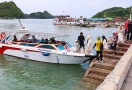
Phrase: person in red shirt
(126, 27)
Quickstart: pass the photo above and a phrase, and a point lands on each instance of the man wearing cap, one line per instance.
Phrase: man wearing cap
(81, 40)
(99, 47)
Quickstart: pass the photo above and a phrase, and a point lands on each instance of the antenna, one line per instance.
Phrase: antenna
(21, 24)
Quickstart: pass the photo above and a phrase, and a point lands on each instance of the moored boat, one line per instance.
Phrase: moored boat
(67, 20)
(43, 49)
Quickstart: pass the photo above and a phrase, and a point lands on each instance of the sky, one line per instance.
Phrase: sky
(74, 8)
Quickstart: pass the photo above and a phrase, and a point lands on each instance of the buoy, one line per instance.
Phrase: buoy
(45, 53)
(2, 35)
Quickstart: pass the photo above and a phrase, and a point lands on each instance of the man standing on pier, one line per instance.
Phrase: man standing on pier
(81, 40)
(99, 47)
(129, 31)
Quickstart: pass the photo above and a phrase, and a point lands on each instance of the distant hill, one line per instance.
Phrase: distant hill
(40, 15)
(114, 12)
(10, 10)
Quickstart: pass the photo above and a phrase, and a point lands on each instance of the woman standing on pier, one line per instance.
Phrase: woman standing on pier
(105, 45)
(120, 35)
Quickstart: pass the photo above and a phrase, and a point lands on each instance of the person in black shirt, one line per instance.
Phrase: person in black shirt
(129, 31)
(81, 40)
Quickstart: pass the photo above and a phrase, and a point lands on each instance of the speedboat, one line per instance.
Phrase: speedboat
(60, 52)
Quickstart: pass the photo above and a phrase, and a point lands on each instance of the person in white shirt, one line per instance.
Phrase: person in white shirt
(25, 37)
(105, 45)
(120, 35)
(89, 43)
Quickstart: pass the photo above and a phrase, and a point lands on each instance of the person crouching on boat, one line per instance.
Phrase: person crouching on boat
(77, 46)
(81, 40)
(65, 46)
(89, 43)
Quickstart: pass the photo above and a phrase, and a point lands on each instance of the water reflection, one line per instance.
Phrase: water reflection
(33, 75)
(9, 24)
(21, 74)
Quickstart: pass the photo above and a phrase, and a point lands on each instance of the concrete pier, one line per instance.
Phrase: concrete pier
(102, 73)
(127, 84)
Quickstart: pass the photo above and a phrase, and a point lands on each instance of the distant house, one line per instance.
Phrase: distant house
(118, 19)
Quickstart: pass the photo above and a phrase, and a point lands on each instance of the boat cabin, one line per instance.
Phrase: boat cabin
(38, 40)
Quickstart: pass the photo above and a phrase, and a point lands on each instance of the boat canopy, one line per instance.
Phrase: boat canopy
(41, 33)
(100, 19)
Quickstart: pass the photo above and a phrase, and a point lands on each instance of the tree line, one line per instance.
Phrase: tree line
(114, 12)
(10, 10)
(40, 15)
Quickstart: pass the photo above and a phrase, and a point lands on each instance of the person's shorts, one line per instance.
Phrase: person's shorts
(113, 46)
(81, 45)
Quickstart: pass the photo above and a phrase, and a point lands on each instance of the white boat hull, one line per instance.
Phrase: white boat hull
(61, 57)
(68, 23)
(52, 58)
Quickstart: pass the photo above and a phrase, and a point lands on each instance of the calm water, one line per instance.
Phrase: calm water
(21, 74)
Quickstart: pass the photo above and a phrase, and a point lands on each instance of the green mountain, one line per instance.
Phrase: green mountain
(114, 12)
(40, 15)
(10, 10)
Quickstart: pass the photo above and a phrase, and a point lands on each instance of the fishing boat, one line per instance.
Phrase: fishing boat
(43, 49)
(67, 20)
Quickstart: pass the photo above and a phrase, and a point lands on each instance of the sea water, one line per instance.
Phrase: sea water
(22, 74)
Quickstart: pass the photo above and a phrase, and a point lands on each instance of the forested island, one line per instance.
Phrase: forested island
(10, 10)
(40, 15)
(114, 12)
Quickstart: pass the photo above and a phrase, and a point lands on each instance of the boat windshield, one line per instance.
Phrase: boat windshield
(68, 44)
(28, 44)
(60, 47)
